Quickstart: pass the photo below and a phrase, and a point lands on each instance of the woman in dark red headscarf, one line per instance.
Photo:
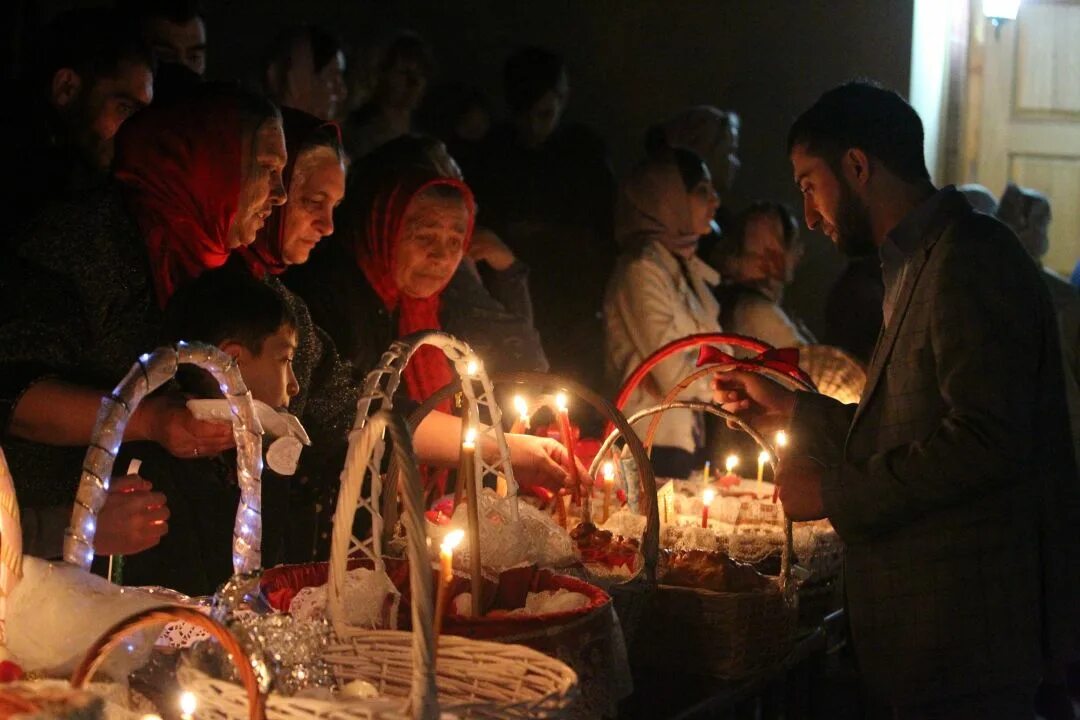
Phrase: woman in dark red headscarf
(200, 176)
(402, 235)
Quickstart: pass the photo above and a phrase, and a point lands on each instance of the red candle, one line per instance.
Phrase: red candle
(566, 431)
(706, 500)
(521, 424)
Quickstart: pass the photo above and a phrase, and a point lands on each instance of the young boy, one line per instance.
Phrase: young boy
(248, 320)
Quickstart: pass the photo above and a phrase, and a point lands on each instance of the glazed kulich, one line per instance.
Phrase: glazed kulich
(32, 701)
(601, 547)
(711, 571)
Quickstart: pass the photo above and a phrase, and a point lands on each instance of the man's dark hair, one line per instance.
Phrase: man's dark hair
(227, 303)
(528, 74)
(765, 208)
(407, 45)
(324, 47)
(180, 12)
(91, 41)
(863, 115)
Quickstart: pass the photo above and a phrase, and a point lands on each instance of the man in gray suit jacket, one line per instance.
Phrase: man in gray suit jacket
(952, 482)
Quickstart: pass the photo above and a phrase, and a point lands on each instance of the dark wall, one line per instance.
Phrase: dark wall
(633, 62)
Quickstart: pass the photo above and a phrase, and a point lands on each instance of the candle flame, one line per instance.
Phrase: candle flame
(472, 368)
(561, 402)
(521, 406)
(764, 457)
(452, 540)
(188, 703)
(781, 439)
(732, 462)
(708, 496)
(609, 470)
(470, 438)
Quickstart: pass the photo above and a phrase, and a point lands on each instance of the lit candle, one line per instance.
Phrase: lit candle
(762, 458)
(566, 431)
(188, 704)
(705, 473)
(609, 484)
(467, 474)
(706, 500)
(730, 479)
(446, 575)
(781, 442)
(465, 465)
(523, 421)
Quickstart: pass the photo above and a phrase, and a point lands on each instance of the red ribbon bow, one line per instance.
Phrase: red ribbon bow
(782, 360)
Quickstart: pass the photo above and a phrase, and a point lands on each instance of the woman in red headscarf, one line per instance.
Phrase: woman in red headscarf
(84, 288)
(403, 233)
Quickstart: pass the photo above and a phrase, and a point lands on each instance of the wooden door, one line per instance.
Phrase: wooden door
(1022, 119)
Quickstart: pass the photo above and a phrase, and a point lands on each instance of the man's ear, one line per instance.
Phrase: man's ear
(231, 348)
(857, 167)
(65, 87)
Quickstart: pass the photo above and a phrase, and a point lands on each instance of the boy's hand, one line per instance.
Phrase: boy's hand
(133, 519)
(167, 421)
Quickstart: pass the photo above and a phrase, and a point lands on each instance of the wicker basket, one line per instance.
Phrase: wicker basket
(471, 679)
(629, 597)
(726, 635)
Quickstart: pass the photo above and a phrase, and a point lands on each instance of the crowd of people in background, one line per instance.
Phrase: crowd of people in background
(304, 225)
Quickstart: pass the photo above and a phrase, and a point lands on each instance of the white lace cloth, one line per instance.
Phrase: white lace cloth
(371, 600)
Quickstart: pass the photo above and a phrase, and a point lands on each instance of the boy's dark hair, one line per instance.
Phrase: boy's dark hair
(227, 303)
(765, 208)
(91, 41)
(180, 12)
(528, 74)
(863, 115)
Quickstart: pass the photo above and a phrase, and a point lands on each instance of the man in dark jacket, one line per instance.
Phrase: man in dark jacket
(89, 74)
(952, 482)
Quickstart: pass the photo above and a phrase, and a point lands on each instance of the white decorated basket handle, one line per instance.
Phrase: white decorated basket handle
(149, 373)
(365, 444)
(11, 553)
(378, 391)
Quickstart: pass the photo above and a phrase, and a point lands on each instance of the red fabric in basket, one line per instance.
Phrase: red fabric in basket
(280, 585)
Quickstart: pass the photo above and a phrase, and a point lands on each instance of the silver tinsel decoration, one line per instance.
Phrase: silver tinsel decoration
(285, 653)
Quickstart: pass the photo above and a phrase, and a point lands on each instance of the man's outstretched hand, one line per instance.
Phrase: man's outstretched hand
(799, 480)
(756, 399)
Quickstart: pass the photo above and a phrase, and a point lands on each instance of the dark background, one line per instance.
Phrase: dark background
(631, 63)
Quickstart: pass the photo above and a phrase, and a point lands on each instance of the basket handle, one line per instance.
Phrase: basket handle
(651, 543)
(785, 557)
(360, 458)
(11, 548)
(378, 391)
(115, 635)
(150, 372)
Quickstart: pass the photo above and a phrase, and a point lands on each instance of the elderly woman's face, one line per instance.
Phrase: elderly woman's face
(263, 159)
(432, 243)
(316, 188)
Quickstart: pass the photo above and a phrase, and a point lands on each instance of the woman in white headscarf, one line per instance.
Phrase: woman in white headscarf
(661, 291)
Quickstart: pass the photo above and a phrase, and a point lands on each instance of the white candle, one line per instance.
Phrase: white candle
(609, 483)
(446, 574)
(762, 458)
